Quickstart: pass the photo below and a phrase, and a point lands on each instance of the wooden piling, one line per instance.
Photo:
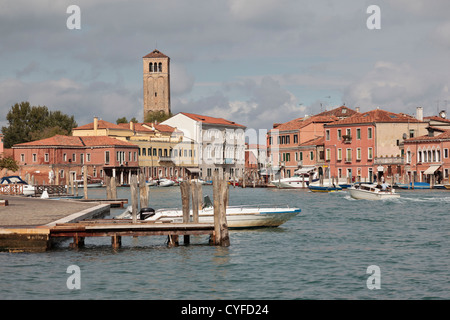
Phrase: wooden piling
(108, 187)
(195, 201)
(85, 182)
(220, 196)
(134, 197)
(185, 196)
(143, 191)
(113, 182)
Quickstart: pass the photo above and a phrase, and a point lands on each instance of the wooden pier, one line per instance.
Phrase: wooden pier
(17, 234)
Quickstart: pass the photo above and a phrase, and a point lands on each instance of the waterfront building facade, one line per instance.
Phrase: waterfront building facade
(217, 144)
(368, 145)
(55, 159)
(427, 157)
(162, 151)
(299, 143)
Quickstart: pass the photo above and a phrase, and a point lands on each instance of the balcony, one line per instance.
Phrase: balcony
(165, 159)
(347, 138)
(389, 160)
(348, 159)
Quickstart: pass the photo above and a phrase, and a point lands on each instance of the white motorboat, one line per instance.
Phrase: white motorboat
(237, 216)
(372, 192)
(300, 179)
(163, 182)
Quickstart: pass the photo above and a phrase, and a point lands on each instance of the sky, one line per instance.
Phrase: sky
(255, 62)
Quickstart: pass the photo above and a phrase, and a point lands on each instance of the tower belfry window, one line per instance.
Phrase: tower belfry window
(150, 67)
(160, 67)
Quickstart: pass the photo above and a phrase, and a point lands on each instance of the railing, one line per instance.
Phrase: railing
(347, 138)
(11, 189)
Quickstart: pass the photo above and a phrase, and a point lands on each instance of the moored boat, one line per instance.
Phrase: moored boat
(27, 189)
(237, 216)
(372, 192)
(300, 179)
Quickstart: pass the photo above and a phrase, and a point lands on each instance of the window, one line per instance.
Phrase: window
(358, 133)
(445, 153)
(65, 157)
(339, 154)
(408, 156)
(88, 157)
(311, 155)
(135, 156)
(301, 156)
(295, 138)
(159, 67)
(144, 151)
(327, 134)
(348, 131)
(411, 133)
(34, 157)
(348, 157)
(154, 152)
(22, 157)
(358, 153)
(328, 155)
(339, 134)
(106, 157)
(150, 67)
(370, 153)
(369, 133)
(74, 157)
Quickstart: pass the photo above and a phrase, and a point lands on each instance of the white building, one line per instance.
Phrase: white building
(219, 143)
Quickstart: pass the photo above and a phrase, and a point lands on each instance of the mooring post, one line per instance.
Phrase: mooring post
(107, 182)
(85, 182)
(143, 191)
(134, 197)
(185, 195)
(216, 203)
(116, 241)
(195, 201)
(224, 192)
(113, 187)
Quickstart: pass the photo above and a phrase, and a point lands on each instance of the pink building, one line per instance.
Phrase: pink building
(62, 156)
(368, 144)
(299, 143)
(427, 157)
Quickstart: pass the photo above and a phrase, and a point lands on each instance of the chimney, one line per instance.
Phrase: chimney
(419, 113)
(132, 126)
(95, 125)
(357, 109)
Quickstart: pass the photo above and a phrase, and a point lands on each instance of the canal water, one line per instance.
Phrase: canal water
(323, 253)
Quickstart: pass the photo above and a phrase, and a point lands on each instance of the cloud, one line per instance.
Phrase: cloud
(396, 87)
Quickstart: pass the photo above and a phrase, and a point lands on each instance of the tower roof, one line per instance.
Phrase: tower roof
(155, 54)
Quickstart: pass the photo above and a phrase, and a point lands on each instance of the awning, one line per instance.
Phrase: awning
(193, 170)
(432, 169)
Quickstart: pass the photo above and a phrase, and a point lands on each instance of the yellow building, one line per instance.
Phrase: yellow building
(163, 153)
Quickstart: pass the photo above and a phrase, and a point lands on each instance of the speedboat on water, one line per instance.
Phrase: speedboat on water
(237, 216)
(324, 187)
(163, 182)
(372, 192)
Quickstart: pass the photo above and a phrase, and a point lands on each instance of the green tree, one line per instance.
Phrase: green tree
(28, 123)
(158, 116)
(124, 120)
(9, 163)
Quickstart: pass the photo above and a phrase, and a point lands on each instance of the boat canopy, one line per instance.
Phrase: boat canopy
(304, 170)
(432, 169)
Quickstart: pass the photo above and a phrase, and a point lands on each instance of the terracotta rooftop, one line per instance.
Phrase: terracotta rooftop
(443, 136)
(155, 54)
(147, 127)
(102, 124)
(436, 118)
(376, 115)
(341, 112)
(313, 142)
(70, 141)
(302, 122)
(211, 120)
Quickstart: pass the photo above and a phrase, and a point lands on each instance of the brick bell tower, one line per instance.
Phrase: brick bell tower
(156, 82)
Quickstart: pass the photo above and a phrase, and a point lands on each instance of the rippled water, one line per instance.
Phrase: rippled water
(321, 254)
